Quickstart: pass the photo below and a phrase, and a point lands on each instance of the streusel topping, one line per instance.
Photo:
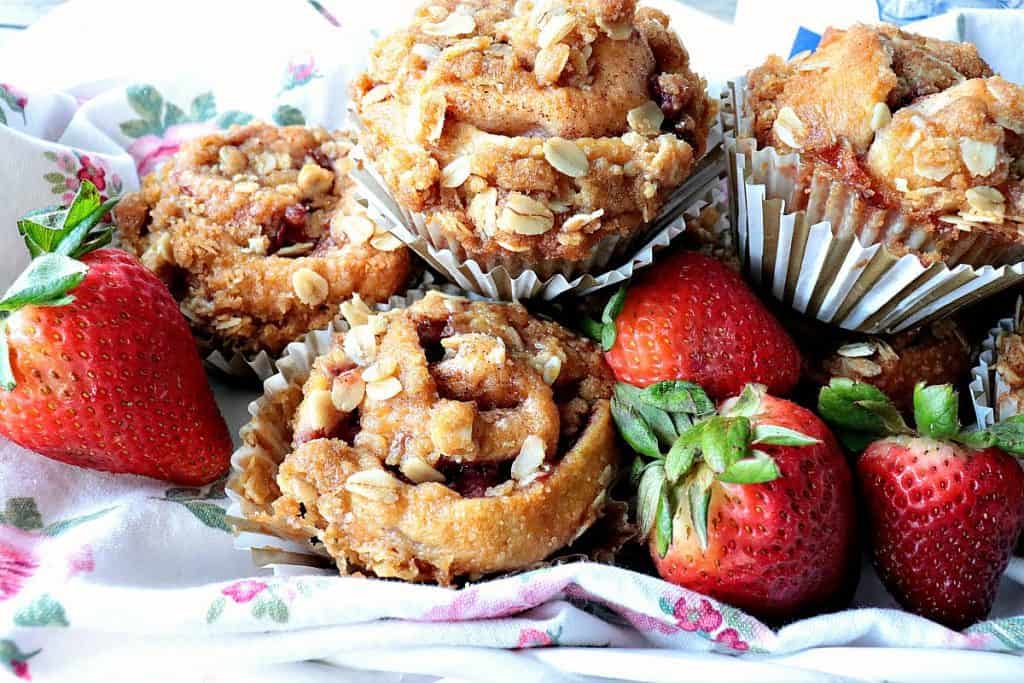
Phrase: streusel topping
(911, 122)
(533, 127)
(448, 438)
(258, 233)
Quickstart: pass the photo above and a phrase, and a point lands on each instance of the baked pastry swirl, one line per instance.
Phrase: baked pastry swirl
(446, 439)
(258, 233)
(920, 131)
(533, 128)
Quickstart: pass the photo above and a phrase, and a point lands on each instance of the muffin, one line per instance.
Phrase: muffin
(934, 354)
(442, 440)
(899, 139)
(532, 135)
(258, 233)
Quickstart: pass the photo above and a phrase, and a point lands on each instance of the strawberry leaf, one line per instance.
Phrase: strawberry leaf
(935, 410)
(773, 435)
(663, 531)
(699, 494)
(614, 306)
(608, 334)
(758, 469)
(658, 420)
(47, 278)
(652, 485)
(591, 328)
(634, 430)
(1007, 435)
(724, 441)
(681, 456)
(676, 396)
(749, 402)
(859, 407)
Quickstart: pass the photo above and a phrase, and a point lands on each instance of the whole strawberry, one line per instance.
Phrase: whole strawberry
(944, 507)
(752, 505)
(690, 317)
(97, 366)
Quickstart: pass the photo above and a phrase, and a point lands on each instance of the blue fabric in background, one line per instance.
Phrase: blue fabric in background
(902, 11)
(805, 40)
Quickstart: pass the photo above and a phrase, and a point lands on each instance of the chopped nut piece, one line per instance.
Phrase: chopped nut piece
(385, 242)
(456, 24)
(857, 350)
(550, 63)
(979, 157)
(621, 30)
(986, 200)
(880, 116)
(384, 389)
(361, 345)
(382, 369)
(358, 229)
(376, 484)
(355, 311)
(309, 286)
(483, 209)
(566, 157)
(581, 220)
(556, 29)
(232, 161)
(314, 179)
(552, 369)
(525, 216)
(316, 413)
(530, 458)
(457, 172)
(347, 392)
(646, 119)
(789, 128)
(419, 470)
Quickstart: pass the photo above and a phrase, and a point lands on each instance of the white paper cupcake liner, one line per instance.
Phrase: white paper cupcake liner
(990, 394)
(821, 267)
(507, 278)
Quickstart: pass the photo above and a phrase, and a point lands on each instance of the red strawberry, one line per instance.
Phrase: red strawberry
(690, 317)
(944, 508)
(100, 369)
(753, 506)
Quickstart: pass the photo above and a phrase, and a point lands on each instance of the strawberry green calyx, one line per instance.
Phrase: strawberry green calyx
(604, 332)
(685, 446)
(860, 414)
(56, 238)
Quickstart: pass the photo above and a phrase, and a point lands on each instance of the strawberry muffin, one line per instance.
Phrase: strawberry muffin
(898, 139)
(442, 440)
(525, 133)
(258, 234)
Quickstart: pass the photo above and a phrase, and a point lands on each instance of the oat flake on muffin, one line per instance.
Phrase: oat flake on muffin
(533, 128)
(257, 232)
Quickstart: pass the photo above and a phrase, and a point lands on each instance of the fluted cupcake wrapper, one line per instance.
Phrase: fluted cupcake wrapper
(990, 394)
(508, 277)
(268, 431)
(828, 261)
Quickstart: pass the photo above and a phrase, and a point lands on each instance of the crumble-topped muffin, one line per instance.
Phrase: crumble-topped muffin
(258, 233)
(446, 439)
(913, 126)
(1009, 370)
(934, 354)
(533, 128)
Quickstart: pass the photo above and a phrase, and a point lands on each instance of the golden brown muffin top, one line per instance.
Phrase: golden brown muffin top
(912, 122)
(258, 233)
(533, 127)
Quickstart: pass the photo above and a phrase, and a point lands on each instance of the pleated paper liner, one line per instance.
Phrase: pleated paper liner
(267, 440)
(990, 394)
(508, 277)
(827, 262)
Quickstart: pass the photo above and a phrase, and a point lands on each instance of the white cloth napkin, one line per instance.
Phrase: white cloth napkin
(108, 577)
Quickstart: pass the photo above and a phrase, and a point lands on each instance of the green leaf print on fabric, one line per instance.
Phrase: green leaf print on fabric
(1009, 631)
(287, 115)
(216, 609)
(147, 103)
(204, 107)
(233, 118)
(158, 114)
(195, 500)
(210, 514)
(16, 660)
(44, 611)
(60, 527)
(22, 513)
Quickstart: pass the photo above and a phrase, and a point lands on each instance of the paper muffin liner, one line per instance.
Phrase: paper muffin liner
(508, 277)
(257, 367)
(827, 261)
(990, 394)
(268, 430)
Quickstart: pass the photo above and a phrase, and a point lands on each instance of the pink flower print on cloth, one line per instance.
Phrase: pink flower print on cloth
(14, 99)
(18, 560)
(163, 126)
(244, 591)
(299, 73)
(703, 616)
